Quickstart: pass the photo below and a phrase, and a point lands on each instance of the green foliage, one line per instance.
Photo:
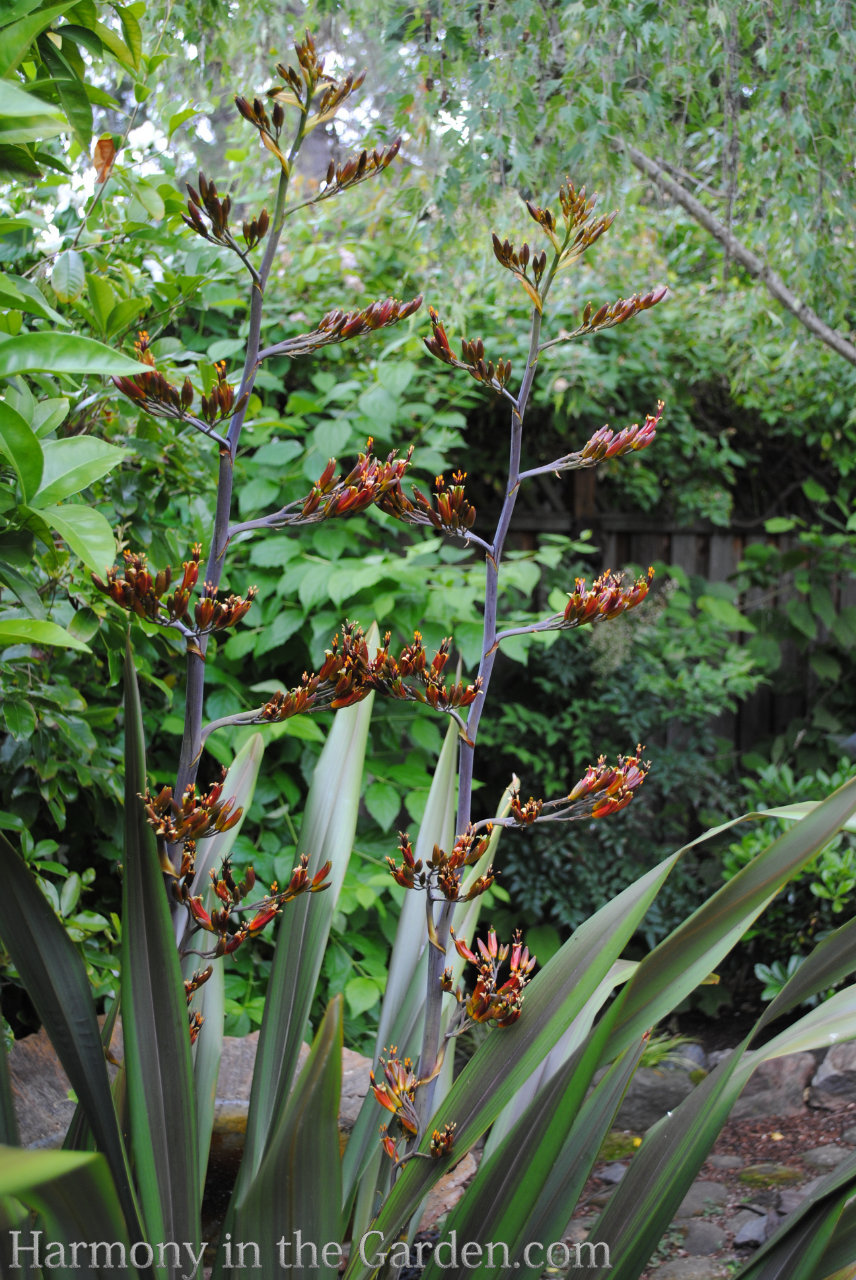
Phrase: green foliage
(798, 599)
(539, 1060)
(776, 975)
(657, 676)
(811, 905)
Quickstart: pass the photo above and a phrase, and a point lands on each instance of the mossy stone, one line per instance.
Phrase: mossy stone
(618, 1145)
(769, 1174)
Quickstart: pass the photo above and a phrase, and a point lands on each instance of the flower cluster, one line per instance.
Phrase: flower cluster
(338, 326)
(397, 1091)
(349, 674)
(299, 89)
(191, 986)
(606, 444)
(449, 512)
(301, 85)
(162, 399)
(606, 598)
(610, 314)
(578, 217)
(610, 787)
(443, 871)
(255, 113)
(195, 818)
(367, 482)
(340, 177)
(526, 267)
(224, 922)
(442, 1141)
(499, 1005)
(603, 789)
(217, 209)
(220, 402)
(525, 814)
(472, 356)
(144, 593)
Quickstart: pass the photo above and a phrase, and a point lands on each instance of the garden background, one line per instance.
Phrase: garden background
(735, 674)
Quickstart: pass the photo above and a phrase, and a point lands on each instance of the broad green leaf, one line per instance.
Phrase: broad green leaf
(800, 616)
(101, 297)
(75, 1195)
(68, 276)
(20, 720)
(18, 37)
(38, 632)
(131, 31)
(239, 784)
(504, 1061)
(833, 959)
(73, 465)
(86, 531)
(117, 46)
(638, 1214)
(62, 353)
(361, 994)
(125, 314)
(17, 162)
(693, 950)
(560, 1054)
(26, 118)
(16, 9)
(779, 524)
(837, 1260)
(552, 1161)
(22, 295)
(90, 41)
(49, 414)
(25, 590)
(150, 198)
(799, 809)
(54, 975)
(383, 803)
(177, 120)
(72, 93)
(154, 1016)
(396, 376)
(725, 612)
(662, 1171)
(437, 827)
(22, 449)
(210, 1002)
(297, 1190)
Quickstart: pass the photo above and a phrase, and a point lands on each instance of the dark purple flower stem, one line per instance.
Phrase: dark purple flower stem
(191, 744)
(493, 559)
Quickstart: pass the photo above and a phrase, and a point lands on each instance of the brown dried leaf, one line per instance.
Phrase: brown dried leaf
(103, 157)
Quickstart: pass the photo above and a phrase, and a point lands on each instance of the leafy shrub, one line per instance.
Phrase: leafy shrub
(811, 905)
(658, 677)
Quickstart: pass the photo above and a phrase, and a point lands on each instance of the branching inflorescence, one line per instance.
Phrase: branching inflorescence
(350, 671)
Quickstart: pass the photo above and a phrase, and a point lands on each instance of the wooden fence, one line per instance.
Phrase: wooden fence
(699, 549)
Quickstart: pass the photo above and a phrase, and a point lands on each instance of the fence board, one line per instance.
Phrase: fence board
(699, 549)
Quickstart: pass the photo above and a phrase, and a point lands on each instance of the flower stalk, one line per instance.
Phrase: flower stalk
(607, 597)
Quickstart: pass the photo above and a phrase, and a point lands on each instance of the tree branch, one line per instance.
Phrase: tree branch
(756, 266)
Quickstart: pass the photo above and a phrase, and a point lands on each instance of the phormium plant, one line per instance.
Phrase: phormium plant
(133, 1206)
